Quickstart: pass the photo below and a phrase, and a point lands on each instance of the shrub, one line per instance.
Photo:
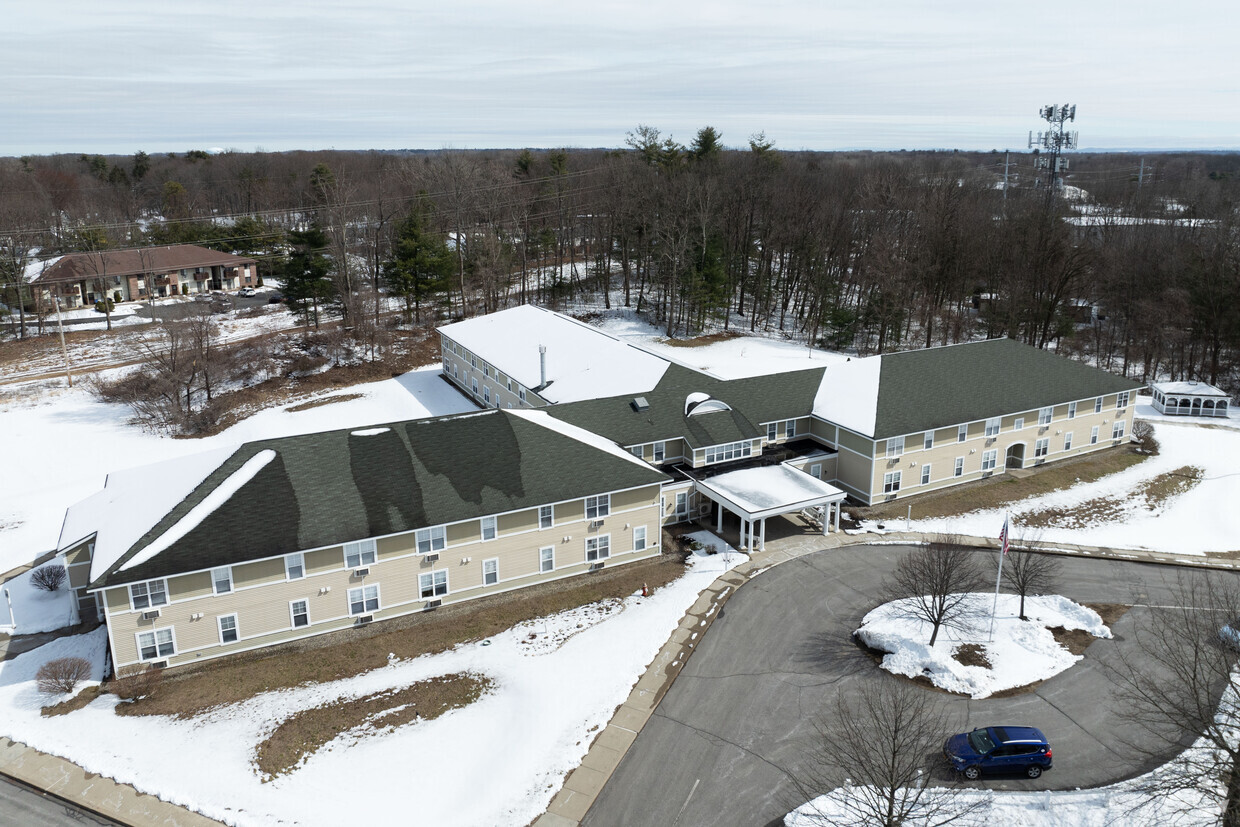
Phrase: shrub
(136, 681)
(49, 578)
(105, 306)
(1143, 432)
(60, 676)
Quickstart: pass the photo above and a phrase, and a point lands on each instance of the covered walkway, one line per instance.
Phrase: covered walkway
(755, 494)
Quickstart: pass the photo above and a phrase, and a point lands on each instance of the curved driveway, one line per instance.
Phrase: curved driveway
(717, 749)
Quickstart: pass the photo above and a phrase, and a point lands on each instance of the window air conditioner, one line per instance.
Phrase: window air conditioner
(362, 572)
(434, 604)
(151, 615)
(365, 618)
(159, 664)
(595, 525)
(597, 566)
(433, 557)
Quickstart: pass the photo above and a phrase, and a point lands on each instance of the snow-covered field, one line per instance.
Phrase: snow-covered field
(496, 762)
(61, 444)
(1020, 652)
(27, 609)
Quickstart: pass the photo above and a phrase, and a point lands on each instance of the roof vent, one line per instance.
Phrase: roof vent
(640, 404)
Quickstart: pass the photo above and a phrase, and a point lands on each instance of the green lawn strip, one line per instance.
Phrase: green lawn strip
(302, 734)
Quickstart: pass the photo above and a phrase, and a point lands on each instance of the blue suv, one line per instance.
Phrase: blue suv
(999, 749)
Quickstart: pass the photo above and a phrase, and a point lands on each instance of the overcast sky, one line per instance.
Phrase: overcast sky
(115, 76)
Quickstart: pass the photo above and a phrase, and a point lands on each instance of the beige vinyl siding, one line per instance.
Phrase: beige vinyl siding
(856, 442)
(256, 574)
(188, 586)
(517, 521)
(467, 532)
(325, 559)
(853, 473)
(78, 556)
(824, 431)
(117, 599)
(388, 547)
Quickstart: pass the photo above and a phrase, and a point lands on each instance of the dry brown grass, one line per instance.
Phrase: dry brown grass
(1109, 612)
(1151, 495)
(318, 403)
(700, 341)
(304, 733)
(1075, 641)
(188, 691)
(971, 654)
(78, 701)
(1003, 490)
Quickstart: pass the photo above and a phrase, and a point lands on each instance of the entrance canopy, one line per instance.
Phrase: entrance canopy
(758, 493)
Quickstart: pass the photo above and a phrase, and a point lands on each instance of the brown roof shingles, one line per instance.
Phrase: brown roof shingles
(78, 266)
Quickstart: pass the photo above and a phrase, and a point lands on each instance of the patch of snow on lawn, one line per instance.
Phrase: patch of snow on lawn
(523, 738)
(34, 609)
(1020, 653)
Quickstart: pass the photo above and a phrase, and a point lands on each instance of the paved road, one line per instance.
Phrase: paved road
(717, 748)
(20, 805)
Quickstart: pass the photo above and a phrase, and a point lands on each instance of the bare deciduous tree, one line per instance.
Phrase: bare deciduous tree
(934, 584)
(49, 578)
(1180, 684)
(1028, 572)
(876, 756)
(62, 675)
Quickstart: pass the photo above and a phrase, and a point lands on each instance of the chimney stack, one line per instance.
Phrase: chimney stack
(542, 366)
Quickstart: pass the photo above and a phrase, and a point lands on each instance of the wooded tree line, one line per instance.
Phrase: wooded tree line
(865, 251)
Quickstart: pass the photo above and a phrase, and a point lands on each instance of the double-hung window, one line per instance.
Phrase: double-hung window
(473, 381)
(772, 431)
(1044, 416)
(148, 595)
(639, 538)
(490, 571)
(925, 474)
(1071, 410)
(294, 566)
(962, 433)
(1117, 430)
(895, 446)
(486, 394)
(509, 384)
(431, 539)
(1121, 401)
(546, 559)
(1042, 447)
(597, 507)
(228, 628)
(1093, 435)
(473, 361)
(958, 470)
(891, 482)
(790, 429)
(660, 451)
(989, 458)
(521, 393)
(299, 610)
(361, 553)
(221, 580)
(363, 600)
(598, 548)
(928, 441)
(1067, 441)
(1098, 404)
(546, 516)
(433, 584)
(992, 427)
(1018, 423)
(156, 644)
(488, 528)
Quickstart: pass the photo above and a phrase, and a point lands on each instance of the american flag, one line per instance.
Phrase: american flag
(1003, 535)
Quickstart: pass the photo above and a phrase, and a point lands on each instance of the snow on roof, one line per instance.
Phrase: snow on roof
(131, 503)
(848, 395)
(1196, 388)
(770, 489)
(583, 362)
(204, 509)
(35, 267)
(580, 434)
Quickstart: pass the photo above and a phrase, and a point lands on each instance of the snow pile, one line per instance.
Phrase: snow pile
(34, 609)
(1020, 653)
(523, 738)
(20, 697)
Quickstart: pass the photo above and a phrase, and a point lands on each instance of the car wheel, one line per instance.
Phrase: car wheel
(972, 773)
(1033, 771)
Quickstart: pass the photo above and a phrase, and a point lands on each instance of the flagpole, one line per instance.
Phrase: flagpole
(1003, 546)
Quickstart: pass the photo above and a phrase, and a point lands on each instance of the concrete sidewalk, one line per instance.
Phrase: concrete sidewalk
(583, 784)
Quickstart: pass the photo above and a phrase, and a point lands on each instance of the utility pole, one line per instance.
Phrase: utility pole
(1141, 174)
(1055, 139)
(64, 351)
(1006, 153)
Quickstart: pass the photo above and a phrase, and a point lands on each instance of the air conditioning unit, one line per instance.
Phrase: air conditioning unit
(365, 618)
(151, 615)
(433, 557)
(159, 664)
(595, 525)
(434, 604)
(597, 566)
(704, 508)
(362, 572)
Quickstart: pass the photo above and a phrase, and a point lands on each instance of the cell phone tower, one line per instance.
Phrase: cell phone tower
(1055, 140)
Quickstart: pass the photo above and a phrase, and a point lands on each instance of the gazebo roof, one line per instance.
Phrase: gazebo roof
(1189, 388)
(768, 491)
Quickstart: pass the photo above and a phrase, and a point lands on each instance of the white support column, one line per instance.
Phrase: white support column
(839, 506)
(747, 536)
(762, 536)
(719, 520)
(826, 518)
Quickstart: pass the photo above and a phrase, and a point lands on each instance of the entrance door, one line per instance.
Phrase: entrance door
(1016, 455)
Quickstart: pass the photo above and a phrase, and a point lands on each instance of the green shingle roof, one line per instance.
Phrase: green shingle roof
(944, 386)
(335, 487)
(753, 400)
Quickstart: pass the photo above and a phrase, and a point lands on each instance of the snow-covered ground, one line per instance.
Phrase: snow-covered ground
(61, 444)
(27, 609)
(1020, 652)
(496, 762)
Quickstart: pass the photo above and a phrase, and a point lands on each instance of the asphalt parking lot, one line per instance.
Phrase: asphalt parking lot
(720, 746)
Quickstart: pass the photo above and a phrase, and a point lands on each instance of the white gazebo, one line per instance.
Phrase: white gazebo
(754, 494)
(1189, 399)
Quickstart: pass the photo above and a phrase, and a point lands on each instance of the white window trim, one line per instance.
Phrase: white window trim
(958, 467)
(1097, 404)
(215, 580)
(927, 442)
(494, 526)
(349, 599)
(790, 429)
(991, 457)
(434, 593)
(895, 447)
(137, 638)
(601, 507)
(660, 451)
(925, 474)
(772, 431)
(1071, 410)
(363, 549)
(493, 561)
(1045, 415)
(301, 564)
(601, 542)
(292, 616)
(1121, 400)
(891, 481)
(1042, 448)
(219, 628)
(551, 521)
(1067, 441)
(962, 433)
(1018, 423)
(645, 540)
(542, 570)
(993, 426)
(433, 534)
(1093, 435)
(149, 604)
(1118, 428)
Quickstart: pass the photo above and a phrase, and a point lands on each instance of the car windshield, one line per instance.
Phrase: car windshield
(980, 740)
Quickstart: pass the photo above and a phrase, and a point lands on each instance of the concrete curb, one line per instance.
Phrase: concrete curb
(582, 786)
